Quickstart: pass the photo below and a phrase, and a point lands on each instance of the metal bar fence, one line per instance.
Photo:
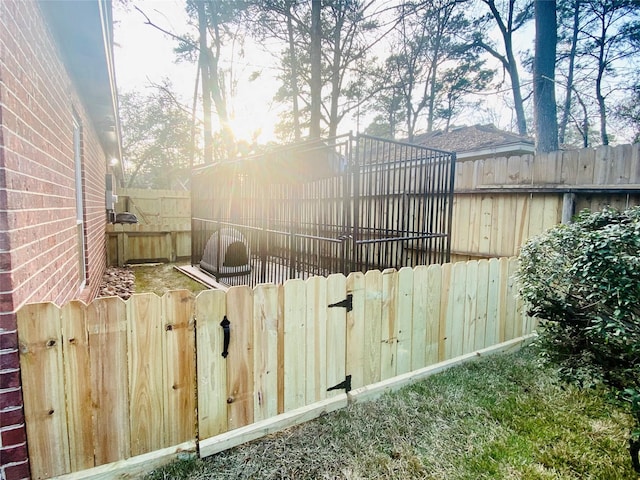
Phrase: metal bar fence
(344, 204)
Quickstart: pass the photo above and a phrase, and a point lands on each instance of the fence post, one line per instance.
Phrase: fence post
(568, 207)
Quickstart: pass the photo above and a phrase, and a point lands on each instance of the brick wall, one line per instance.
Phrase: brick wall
(38, 231)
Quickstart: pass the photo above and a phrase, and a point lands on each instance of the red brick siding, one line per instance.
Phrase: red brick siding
(38, 241)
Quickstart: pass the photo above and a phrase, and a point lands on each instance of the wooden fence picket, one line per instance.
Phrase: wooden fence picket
(455, 311)
(179, 366)
(107, 326)
(265, 322)
(372, 331)
(389, 324)
(492, 331)
(482, 297)
(77, 364)
(316, 338)
(470, 307)
(240, 381)
(210, 310)
(43, 383)
(294, 344)
(419, 322)
(404, 320)
(503, 264)
(356, 327)
(433, 291)
(146, 379)
(445, 311)
(336, 333)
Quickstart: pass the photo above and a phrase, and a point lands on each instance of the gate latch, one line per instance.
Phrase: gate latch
(345, 385)
(346, 303)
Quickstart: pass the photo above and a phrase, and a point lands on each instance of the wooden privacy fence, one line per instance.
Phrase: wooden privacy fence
(163, 231)
(501, 202)
(111, 380)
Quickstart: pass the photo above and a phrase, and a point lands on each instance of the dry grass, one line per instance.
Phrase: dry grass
(504, 417)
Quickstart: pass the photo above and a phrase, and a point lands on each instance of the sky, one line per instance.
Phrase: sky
(144, 55)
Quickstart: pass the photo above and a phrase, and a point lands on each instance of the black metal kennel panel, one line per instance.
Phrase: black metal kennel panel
(334, 205)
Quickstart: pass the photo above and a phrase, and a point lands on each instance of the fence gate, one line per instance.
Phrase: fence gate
(268, 351)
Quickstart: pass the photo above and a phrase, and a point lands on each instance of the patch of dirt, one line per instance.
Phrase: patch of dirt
(117, 281)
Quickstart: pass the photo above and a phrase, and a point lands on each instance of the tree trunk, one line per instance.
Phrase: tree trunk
(335, 76)
(206, 83)
(566, 111)
(518, 103)
(604, 137)
(600, 97)
(544, 98)
(316, 69)
(584, 130)
(294, 78)
(509, 61)
(431, 106)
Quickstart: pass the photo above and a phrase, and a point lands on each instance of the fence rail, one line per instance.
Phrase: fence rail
(111, 380)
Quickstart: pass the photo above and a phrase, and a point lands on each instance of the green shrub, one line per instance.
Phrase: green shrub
(583, 281)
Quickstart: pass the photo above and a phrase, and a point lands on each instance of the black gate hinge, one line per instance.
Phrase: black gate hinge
(346, 303)
(346, 385)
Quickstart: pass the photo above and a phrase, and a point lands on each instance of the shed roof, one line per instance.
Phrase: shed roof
(477, 141)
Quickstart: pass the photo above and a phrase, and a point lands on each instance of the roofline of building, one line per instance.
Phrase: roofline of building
(519, 148)
(85, 37)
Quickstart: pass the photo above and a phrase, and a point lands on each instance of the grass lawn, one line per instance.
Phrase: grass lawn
(503, 417)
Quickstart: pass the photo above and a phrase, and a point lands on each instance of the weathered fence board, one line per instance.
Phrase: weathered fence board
(155, 207)
(163, 231)
(126, 382)
(501, 202)
(138, 243)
